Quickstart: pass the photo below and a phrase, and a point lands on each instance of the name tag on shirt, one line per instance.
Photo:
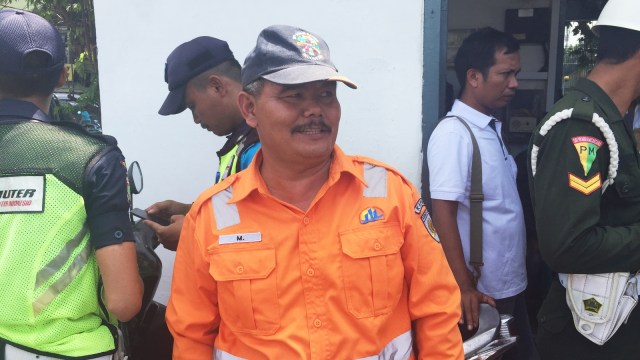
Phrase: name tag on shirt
(240, 238)
(21, 194)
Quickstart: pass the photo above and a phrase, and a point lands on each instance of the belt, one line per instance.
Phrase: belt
(564, 277)
(14, 353)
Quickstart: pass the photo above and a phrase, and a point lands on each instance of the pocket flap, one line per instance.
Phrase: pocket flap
(240, 264)
(383, 239)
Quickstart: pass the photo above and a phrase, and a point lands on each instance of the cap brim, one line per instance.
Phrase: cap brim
(308, 73)
(174, 103)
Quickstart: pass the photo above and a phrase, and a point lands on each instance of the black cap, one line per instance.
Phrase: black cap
(22, 33)
(187, 61)
(289, 55)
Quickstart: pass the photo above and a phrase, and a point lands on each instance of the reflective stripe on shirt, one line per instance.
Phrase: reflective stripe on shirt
(399, 348)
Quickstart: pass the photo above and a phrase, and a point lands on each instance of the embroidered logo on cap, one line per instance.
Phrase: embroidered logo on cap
(585, 186)
(308, 45)
(370, 215)
(587, 147)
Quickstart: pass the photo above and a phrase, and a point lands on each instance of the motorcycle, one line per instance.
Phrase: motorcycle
(491, 339)
(146, 336)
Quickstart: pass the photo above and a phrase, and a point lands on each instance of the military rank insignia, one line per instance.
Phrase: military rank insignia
(585, 186)
(587, 148)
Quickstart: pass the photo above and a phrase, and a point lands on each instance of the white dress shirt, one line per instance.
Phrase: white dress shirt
(449, 156)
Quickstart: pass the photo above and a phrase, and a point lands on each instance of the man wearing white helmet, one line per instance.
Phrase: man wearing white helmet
(584, 173)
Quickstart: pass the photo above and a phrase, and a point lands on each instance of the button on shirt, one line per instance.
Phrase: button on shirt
(343, 280)
(449, 156)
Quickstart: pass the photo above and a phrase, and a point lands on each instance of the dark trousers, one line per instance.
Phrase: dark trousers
(525, 348)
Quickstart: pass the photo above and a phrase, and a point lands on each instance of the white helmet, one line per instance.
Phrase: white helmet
(620, 13)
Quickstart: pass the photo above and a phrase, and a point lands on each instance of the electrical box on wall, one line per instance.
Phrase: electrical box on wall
(531, 25)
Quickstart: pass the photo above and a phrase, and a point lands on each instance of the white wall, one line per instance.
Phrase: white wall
(377, 43)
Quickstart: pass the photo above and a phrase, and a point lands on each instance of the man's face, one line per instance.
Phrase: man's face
(296, 122)
(208, 110)
(495, 90)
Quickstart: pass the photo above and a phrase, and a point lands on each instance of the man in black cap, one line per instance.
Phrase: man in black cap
(204, 77)
(68, 269)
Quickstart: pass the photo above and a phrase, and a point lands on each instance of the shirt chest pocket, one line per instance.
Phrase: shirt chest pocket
(372, 269)
(247, 288)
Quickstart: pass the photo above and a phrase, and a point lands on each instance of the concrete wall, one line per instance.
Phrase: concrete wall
(377, 43)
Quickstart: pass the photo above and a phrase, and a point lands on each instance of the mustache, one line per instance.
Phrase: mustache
(311, 125)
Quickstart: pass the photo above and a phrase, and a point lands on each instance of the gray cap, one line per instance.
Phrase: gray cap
(290, 55)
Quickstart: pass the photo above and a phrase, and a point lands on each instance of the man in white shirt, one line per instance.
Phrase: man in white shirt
(486, 65)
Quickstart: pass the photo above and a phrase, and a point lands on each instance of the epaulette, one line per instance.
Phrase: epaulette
(110, 140)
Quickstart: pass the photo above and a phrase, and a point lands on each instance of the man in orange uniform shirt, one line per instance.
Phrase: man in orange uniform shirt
(309, 253)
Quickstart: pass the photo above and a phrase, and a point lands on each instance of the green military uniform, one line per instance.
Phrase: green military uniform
(582, 229)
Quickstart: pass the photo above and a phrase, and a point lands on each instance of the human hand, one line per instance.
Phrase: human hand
(168, 235)
(471, 298)
(167, 208)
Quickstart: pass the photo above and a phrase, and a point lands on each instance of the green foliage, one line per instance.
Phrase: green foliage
(585, 51)
(76, 21)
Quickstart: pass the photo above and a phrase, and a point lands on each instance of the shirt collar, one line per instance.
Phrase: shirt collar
(470, 114)
(234, 138)
(10, 109)
(250, 179)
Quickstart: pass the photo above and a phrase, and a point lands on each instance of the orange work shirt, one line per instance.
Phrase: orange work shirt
(257, 278)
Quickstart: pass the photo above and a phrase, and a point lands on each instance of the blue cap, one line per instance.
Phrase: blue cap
(289, 55)
(187, 61)
(22, 33)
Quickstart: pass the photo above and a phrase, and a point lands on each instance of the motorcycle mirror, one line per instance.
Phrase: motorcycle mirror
(135, 178)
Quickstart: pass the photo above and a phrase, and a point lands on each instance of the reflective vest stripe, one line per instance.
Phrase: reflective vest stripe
(57, 262)
(66, 278)
(400, 348)
(225, 214)
(376, 179)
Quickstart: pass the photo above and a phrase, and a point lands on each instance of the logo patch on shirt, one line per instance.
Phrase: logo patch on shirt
(419, 206)
(240, 238)
(22, 194)
(585, 186)
(587, 147)
(428, 224)
(370, 215)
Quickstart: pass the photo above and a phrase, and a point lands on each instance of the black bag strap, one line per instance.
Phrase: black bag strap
(476, 197)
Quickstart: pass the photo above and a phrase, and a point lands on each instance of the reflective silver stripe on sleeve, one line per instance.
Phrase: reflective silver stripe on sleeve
(223, 355)
(399, 348)
(376, 179)
(67, 277)
(225, 214)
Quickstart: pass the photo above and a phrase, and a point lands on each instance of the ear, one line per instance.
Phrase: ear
(217, 85)
(64, 74)
(474, 77)
(247, 105)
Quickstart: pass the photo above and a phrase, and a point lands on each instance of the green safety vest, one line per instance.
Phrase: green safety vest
(49, 277)
(228, 163)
